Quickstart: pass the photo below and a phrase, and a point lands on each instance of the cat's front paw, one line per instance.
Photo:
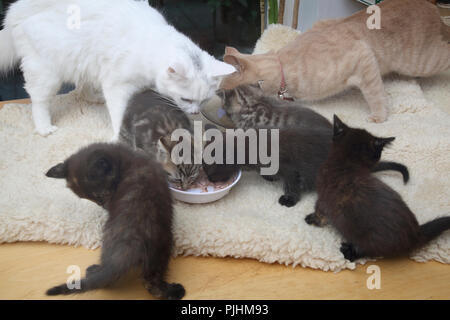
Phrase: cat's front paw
(45, 131)
(377, 117)
(311, 219)
(288, 200)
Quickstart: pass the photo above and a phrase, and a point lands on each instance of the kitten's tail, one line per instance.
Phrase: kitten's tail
(434, 228)
(8, 55)
(386, 165)
(97, 280)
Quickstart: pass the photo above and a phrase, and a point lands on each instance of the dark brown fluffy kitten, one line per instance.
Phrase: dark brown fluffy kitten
(301, 153)
(133, 189)
(371, 216)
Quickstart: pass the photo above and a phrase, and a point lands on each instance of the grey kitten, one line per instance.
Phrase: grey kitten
(248, 107)
(149, 120)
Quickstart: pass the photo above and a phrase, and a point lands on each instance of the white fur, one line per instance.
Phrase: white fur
(120, 47)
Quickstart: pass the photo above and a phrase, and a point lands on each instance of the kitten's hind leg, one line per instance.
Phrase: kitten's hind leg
(92, 269)
(41, 87)
(154, 268)
(350, 252)
(368, 78)
(161, 289)
(293, 185)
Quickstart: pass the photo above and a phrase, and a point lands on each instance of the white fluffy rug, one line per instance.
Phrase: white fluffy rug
(249, 222)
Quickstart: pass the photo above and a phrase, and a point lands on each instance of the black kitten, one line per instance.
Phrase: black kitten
(133, 189)
(301, 153)
(371, 216)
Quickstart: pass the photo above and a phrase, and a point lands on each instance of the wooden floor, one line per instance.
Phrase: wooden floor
(28, 269)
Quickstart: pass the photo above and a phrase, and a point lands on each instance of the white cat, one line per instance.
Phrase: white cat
(116, 46)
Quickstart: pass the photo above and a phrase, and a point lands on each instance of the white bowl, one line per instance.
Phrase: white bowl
(196, 196)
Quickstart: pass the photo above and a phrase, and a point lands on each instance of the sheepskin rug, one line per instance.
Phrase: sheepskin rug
(249, 222)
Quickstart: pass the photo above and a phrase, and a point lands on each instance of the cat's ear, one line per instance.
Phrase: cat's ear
(219, 69)
(382, 142)
(236, 61)
(338, 126)
(177, 72)
(231, 51)
(99, 167)
(59, 171)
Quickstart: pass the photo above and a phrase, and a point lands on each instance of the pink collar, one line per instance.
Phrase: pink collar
(282, 93)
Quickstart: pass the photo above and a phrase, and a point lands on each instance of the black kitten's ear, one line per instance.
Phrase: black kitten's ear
(338, 126)
(59, 171)
(382, 142)
(99, 167)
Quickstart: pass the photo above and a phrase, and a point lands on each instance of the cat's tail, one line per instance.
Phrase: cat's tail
(434, 228)
(395, 166)
(96, 280)
(8, 55)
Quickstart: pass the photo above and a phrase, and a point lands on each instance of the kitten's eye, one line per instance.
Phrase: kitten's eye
(187, 100)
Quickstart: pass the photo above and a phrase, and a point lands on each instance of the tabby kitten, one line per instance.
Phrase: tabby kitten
(133, 189)
(371, 216)
(149, 120)
(301, 153)
(248, 107)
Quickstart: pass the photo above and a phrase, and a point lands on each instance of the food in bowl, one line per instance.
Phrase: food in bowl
(203, 190)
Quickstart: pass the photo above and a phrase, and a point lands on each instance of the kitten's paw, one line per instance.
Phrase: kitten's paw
(45, 131)
(92, 269)
(175, 291)
(311, 219)
(288, 200)
(377, 117)
(349, 252)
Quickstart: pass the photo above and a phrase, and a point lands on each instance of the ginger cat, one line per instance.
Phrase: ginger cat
(337, 54)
